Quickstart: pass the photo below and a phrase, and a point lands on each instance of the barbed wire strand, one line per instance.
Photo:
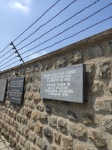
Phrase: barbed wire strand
(68, 28)
(8, 57)
(5, 53)
(57, 26)
(46, 22)
(8, 61)
(65, 29)
(70, 36)
(36, 20)
(11, 64)
(64, 39)
(4, 48)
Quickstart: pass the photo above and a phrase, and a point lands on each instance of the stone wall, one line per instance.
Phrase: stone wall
(55, 125)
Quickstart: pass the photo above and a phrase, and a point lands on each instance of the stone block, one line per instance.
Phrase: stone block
(43, 117)
(34, 115)
(27, 145)
(67, 143)
(110, 87)
(103, 70)
(103, 105)
(83, 146)
(48, 109)
(48, 133)
(63, 126)
(54, 147)
(32, 136)
(53, 121)
(88, 118)
(77, 130)
(40, 108)
(72, 115)
(38, 128)
(107, 123)
(75, 58)
(97, 88)
(109, 47)
(57, 137)
(95, 51)
(99, 137)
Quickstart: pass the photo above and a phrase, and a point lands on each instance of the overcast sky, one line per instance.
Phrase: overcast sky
(17, 15)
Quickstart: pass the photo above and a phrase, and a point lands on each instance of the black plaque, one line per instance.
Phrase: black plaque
(16, 90)
(66, 84)
(3, 85)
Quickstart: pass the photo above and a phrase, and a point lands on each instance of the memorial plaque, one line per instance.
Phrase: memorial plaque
(66, 84)
(16, 89)
(3, 84)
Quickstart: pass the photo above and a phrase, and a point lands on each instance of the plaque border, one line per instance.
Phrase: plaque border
(84, 76)
(5, 91)
(21, 102)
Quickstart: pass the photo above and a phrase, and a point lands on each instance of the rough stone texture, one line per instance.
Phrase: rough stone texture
(77, 130)
(99, 137)
(55, 125)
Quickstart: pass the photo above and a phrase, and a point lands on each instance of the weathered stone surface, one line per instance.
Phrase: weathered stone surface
(95, 51)
(88, 118)
(32, 136)
(67, 143)
(40, 108)
(103, 70)
(109, 46)
(107, 123)
(54, 147)
(57, 137)
(97, 87)
(98, 137)
(60, 63)
(48, 133)
(38, 128)
(83, 146)
(103, 105)
(75, 58)
(53, 121)
(72, 115)
(34, 115)
(48, 109)
(62, 124)
(110, 87)
(33, 147)
(77, 130)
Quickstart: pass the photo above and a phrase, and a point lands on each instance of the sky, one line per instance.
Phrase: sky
(18, 15)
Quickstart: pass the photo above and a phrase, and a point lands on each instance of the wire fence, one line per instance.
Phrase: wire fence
(19, 53)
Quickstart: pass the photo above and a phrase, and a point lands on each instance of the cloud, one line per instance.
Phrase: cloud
(21, 5)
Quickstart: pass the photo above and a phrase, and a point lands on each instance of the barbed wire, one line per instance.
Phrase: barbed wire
(4, 48)
(47, 22)
(36, 20)
(68, 28)
(5, 53)
(15, 57)
(61, 32)
(70, 36)
(40, 26)
(59, 24)
(10, 64)
(63, 39)
(29, 27)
